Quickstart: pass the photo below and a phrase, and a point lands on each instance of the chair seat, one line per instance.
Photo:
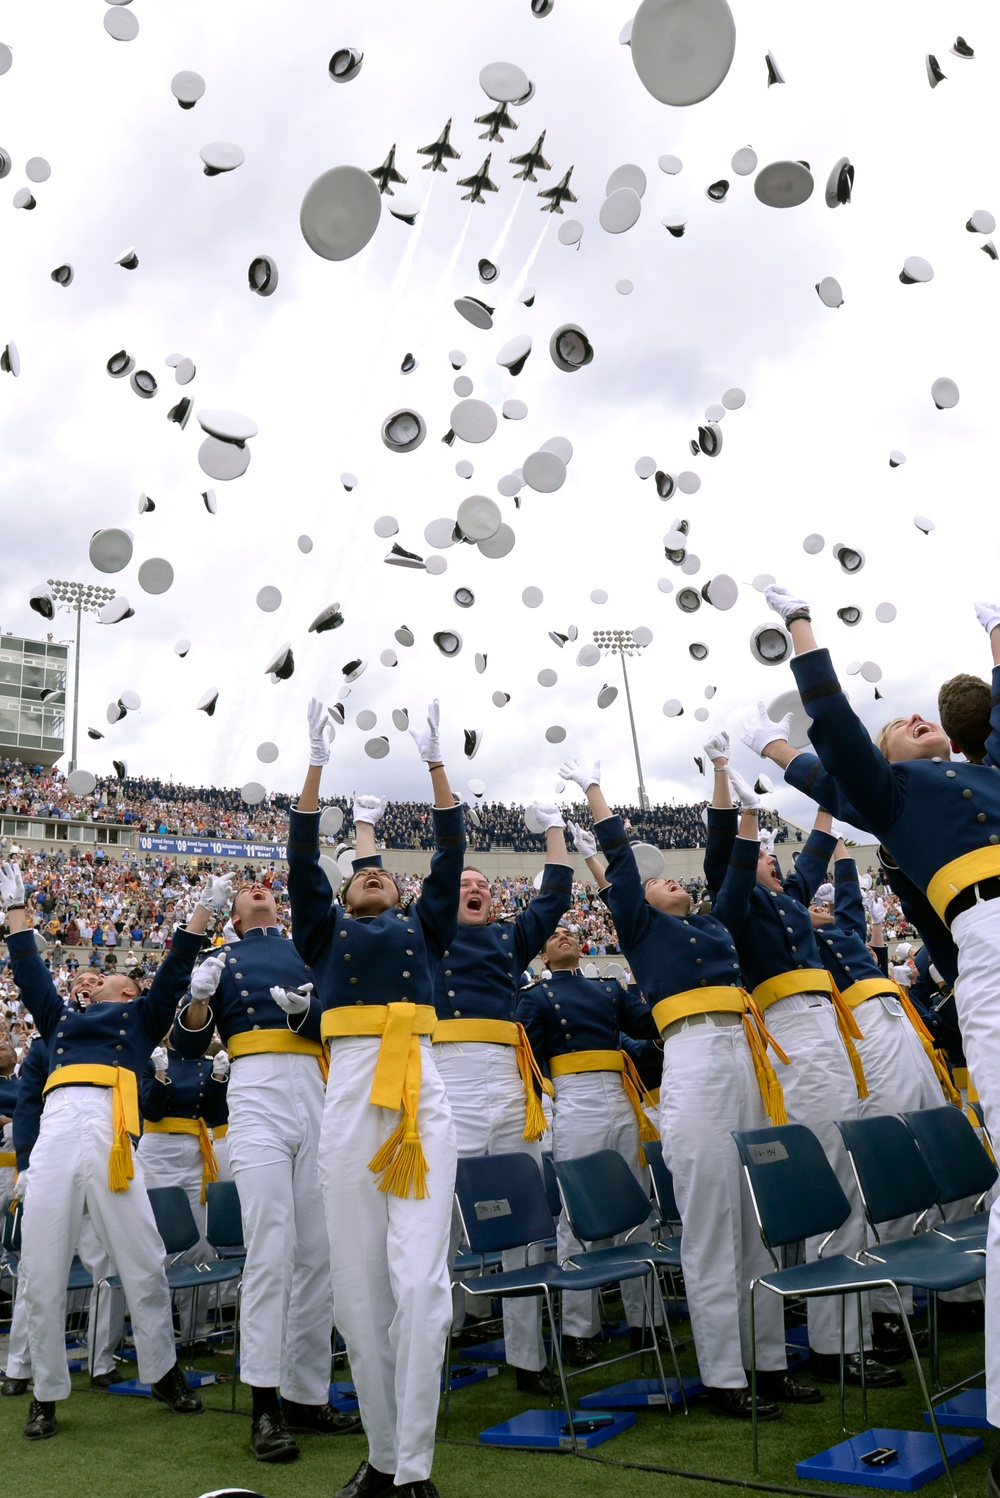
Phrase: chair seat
(921, 1262)
(536, 1277)
(194, 1276)
(966, 1230)
(662, 1255)
(836, 1275)
(466, 1262)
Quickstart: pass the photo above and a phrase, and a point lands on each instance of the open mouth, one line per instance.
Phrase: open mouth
(921, 729)
(474, 903)
(373, 882)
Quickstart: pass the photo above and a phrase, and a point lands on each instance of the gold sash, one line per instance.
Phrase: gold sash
(505, 1032)
(197, 1127)
(125, 1112)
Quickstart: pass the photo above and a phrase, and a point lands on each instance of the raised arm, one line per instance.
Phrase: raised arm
(810, 868)
(535, 924)
(848, 901)
(721, 817)
(585, 843)
(626, 897)
(309, 889)
(437, 907)
(38, 992)
(988, 615)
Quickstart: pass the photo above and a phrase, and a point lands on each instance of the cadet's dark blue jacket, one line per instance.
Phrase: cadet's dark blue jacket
(261, 960)
(567, 1012)
(190, 1092)
(670, 954)
(478, 976)
(773, 930)
(107, 1033)
(383, 959)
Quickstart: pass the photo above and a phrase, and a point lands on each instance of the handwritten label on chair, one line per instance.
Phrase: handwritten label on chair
(498, 1208)
(767, 1154)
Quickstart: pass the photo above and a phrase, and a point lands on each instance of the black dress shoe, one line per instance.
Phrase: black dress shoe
(13, 1386)
(530, 1382)
(826, 1367)
(578, 1352)
(425, 1489)
(778, 1386)
(172, 1390)
(737, 1404)
(271, 1440)
(367, 1482)
(993, 1478)
(889, 1339)
(105, 1380)
(41, 1421)
(640, 1339)
(322, 1419)
(961, 1315)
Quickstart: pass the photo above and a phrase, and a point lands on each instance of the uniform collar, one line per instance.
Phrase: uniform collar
(261, 931)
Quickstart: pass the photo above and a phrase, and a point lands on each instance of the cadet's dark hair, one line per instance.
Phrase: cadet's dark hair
(964, 707)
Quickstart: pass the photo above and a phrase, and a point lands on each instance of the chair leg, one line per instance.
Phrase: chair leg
(447, 1383)
(843, 1318)
(861, 1347)
(557, 1349)
(236, 1347)
(673, 1349)
(753, 1380)
(924, 1391)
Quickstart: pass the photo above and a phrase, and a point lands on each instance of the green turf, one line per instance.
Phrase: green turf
(114, 1447)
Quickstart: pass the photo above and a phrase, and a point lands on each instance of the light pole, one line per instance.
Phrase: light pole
(78, 598)
(622, 642)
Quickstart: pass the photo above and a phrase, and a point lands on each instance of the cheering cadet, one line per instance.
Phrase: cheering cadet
(388, 1143)
(180, 1100)
(257, 992)
(484, 1056)
(940, 822)
(716, 1078)
(82, 1160)
(574, 1024)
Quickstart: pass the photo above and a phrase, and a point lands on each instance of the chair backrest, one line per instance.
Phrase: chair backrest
(663, 1181)
(174, 1219)
(954, 1155)
(795, 1190)
(502, 1202)
(892, 1176)
(224, 1219)
(600, 1195)
(551, 1184)
(10, 1230)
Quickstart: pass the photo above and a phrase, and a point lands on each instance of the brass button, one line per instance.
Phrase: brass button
(256, 1027)
(950, 774)
(238, 975)
(59, 1050)
(451, 995)
(967, 794)
(343, 935)
(244, 993)
(249, 1009)
(409, 951)
(981, 817)
(354, 980)
(405, 973)
(347, 956)
(458, 1012)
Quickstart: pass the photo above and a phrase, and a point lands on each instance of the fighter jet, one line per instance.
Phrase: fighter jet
(532, 161)
(558, 195)
(478, 183)
(498, 119)
(387, 173)
(437, 150)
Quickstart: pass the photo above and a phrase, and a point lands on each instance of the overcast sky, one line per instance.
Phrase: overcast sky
(829, 391)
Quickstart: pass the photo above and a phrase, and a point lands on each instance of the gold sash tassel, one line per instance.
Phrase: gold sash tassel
(817, 980)
(618, 1061)
(124, 1112)
(198, 1128)
(505, 1032)
(400, 1163)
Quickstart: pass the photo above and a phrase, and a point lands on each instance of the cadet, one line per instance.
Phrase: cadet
(388, 1149)
(716, 1078)
(484, 1056)
(82, 1160)
(259, 990)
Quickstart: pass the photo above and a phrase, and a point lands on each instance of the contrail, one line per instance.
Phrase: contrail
(402, 274)
(495, 252)
(521, 281)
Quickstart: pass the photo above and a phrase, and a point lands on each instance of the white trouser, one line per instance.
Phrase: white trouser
(176, 1160)
(900, 1079)
(389, 1255)
(486, 1094)
(286, 1311)
(977, 998)
(592, 1112)
(68, 1175)
(709, 1089)
(819, 1089)
(105, 1314)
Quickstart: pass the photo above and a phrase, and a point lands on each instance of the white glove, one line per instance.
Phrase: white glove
(11, 885)
(369, 808)
(205, 978)
(217, 893)
(988, 615)
(767, 841)
(428, 740)
(292, 1000)
(717, 747)
(760, 731)
(783, 602)
(877, 912)
(319, 723)
(220, 1065)
(582, 775)
(744, 793)
(20, 1186)
(160, 1058)
(548, 814)
(584, 842)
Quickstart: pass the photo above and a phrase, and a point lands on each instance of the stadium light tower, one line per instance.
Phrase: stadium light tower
(622, 642)
(78, 598)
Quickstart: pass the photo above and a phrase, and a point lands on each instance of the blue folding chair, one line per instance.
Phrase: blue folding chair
(602, 1199)
(959, 1165)
(663, 1186)
(796, 1195)
(224, 1220)
(502, 1203)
